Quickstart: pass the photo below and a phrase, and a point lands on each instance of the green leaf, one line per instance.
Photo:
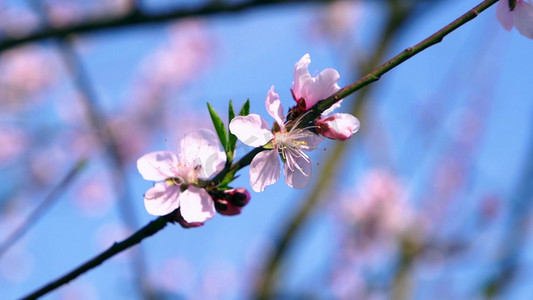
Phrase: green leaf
(245, 110)
(231, 111)
(219, 126)
(232, 139)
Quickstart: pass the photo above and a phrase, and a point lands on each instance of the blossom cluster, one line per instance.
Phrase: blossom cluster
(193, 183)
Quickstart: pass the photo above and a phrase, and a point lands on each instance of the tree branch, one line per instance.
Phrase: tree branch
(148, 230)
(137, 17)
(47, 203)
(375, 75)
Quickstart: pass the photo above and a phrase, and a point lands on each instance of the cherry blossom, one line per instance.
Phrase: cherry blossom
(307, 91)
(199, 156)
(338, 126)
(290, 143)
(519, 16)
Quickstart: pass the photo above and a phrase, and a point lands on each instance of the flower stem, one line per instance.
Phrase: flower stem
(375, 75)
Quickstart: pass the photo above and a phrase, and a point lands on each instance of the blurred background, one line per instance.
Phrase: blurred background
(431, 199)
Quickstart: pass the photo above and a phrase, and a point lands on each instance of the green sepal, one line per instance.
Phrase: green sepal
(245, 109)
(228, 178)
(232, 139)
(219, 126)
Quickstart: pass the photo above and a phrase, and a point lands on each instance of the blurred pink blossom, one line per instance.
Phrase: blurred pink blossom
(339, 20)
(16, 20)
(14, 142)
(94, 196)
(379, 208)
(24, 72)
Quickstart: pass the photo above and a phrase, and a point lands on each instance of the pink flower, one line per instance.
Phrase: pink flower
(199, 156)
(338, 126)
(307, 91)
(290, 143)
(521, 16)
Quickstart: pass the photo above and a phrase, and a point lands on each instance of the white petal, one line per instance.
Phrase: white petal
(252, 130)
(301, 75)
(320, 87)
(196, 205)
(295, 178)
(211, 164)
(157, 166)
(504, 14)
(523, 19)
(198, 148)
(264, 170)
(312, 140)
(274, 107)
(162, 199)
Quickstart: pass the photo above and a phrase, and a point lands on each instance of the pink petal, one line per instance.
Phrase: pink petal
(295, 178)
(311, 139)
(201, 148)
(251, 130)
(338, 126)
(264, 170)
(162, 199)
(504, 14)
(320, 87)
(157, 166)
(523, 18)
(301, 75)
(196, 205)
(274, 107)
(211, 164)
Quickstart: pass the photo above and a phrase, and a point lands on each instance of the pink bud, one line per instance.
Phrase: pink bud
(225, 208)
(338, 126)
(238, 197)
(233, 202)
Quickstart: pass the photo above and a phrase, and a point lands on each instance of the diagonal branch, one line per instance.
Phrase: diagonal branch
(135, 239)
(138, 17)
(39, 210)
(375, 75)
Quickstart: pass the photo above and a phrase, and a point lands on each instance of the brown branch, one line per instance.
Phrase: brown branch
(137, 17)
(136, 238)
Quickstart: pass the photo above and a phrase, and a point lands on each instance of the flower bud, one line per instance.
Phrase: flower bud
(233, 202)
(238, 197)
(338, 126)
(225, 208)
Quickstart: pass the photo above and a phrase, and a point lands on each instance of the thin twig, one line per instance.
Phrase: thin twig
(38, 212)
(375, 75)
(135, 239)
(267, 282)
